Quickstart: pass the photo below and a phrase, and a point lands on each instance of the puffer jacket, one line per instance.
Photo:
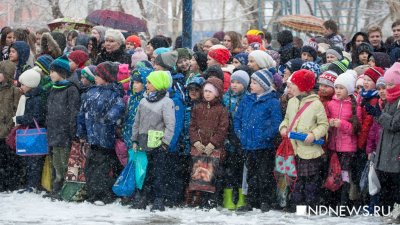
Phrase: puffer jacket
(35, 108)
(313, 119)
(342, 139)
(101, 108)
(366, 123)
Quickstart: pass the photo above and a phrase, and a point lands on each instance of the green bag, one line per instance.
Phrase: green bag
(154, 138)
(73, 191)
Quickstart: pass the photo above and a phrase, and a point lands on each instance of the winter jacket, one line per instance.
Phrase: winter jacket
(373, 137)
(158, 116)
(130, 114)
(63, 105)
(388, 150)
(256, 121)
(366, 123)
(35, 108)
(49, 46)
(289, 52)
(9, 97)
(117, 56)
(394, 51)
(342, 139)
(210, 122)
(336, 40)
(101, 108)
(313, 119)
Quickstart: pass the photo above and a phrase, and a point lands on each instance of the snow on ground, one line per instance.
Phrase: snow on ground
(31, 208)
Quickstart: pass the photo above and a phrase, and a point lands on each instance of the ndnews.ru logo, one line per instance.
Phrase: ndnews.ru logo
(321, 210)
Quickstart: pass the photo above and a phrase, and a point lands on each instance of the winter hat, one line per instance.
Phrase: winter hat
(265, 79)
(7, 68)
(89, 72)
(262, 59)
(336, 52)
(101, 30)
(201, 59)
(135, 40)
(183, 53)
(214, 85)
(392, 75)
(310, 50)
(328, 78)
(242, 77)
(242, 57)
(347, 56)
(275, 56)
(107, 71)
(323, 47)
(382, 59)
(140, 74)
(144, 64)
(312, 66)
(254, 39)
(364, 47)
(348, 80)
(209, 87)
(256, 46)
(294, 64)
(215, 71)
(374, 73)
(195, 82)
(158, 42)
(278, 79)
(339, 67)
(304, 80)
(161, 50)
(360, 80)
(61, 66)
(79, 57)
(220, 55)
(380, 82)
(160, 80)
(23, 51)
(361, 69)
(137, 56)
(312, 43)
(43, 62)
(254, 32)
(30, 78)
(167, 60)
(219, 35)
(116, 35)
(218, 46)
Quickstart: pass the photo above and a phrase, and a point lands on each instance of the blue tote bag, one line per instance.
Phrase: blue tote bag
(32, 141)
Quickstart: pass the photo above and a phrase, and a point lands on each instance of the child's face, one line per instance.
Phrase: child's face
(331, 58)
(137, 86)
(252, 64)
(286, 75)
(327, 31)
(371, 61)
(71, 41)
(375, 38)
(255, 87)
(382, 92)
(294, 90)
(369, 84)
(236, 86)
(193, 65)
(150, 88)
(25, 89)
(85, 82)
(130, 46)
(158, 67)
(100, 81)
(183, 64)
(289, 91)
(341, 92)
(249, 49)
(2, 78)
(236, 63)
(363, 58)
(195, 93)
(208, 95)
(305, 56)
(73, 66)
(325, 89)
(245, 43)
(55, 76)
(212, 62)
(13, 57)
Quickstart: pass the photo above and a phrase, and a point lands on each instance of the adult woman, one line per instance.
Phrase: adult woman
(357, 39)
(114, 48)
(7, 38)
(232, 42)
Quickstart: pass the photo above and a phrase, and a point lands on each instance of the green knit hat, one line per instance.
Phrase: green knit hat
(161, 80)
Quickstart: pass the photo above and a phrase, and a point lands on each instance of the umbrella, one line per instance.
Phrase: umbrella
(303, 23)
(69, 24)
(117, 20)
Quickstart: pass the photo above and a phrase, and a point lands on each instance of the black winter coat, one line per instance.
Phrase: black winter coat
(35, 107)
(117, 56)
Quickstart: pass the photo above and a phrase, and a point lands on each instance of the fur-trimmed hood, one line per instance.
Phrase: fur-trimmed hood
(49, 46)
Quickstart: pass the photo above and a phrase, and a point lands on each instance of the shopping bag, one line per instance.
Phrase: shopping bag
(11, 137)
(73, 191)
(32, 141)
(140, 160)
(47, 174)
(282, 190)
(121, 151)
(334, 180)
(364, 177)
(374, 186)
(76, 162)
(285, 163)
(125, 184)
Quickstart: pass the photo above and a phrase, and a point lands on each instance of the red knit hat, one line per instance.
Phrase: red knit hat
(374, 73)
(135, 40)
(79, 57)
(220, 55)
(304, 80)
(253, 38)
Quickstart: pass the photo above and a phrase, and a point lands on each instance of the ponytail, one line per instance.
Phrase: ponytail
(354, 119)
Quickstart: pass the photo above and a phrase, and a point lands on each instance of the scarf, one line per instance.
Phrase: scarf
(21, 107)
(61, 84)
(393, 94)
(369, 94)
(156, 96)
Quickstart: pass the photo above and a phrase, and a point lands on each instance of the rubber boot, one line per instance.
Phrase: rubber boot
(242, 199)
(228, 203)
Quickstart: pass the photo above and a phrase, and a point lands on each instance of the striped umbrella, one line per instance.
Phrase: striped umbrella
(303, 23)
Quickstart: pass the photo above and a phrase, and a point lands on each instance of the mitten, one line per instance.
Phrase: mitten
(199, 146)
(374, 111)
(209, 149)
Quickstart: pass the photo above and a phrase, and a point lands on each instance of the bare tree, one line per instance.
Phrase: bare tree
(55, 9)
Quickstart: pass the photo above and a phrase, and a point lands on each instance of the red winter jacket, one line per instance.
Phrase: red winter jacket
(227, 81)
(366, 123)
(342, 139)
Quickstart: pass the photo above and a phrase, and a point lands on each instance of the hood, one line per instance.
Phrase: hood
(49, 46)
(23, 51)
(34, 92)
(82, 40)
(285, 37)
(381, 59)
(216, 83)
(60, 39)
(8, 70)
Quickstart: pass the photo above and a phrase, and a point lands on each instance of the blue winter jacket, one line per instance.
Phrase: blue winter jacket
(101, 108)
(256, 121)
(133, 104)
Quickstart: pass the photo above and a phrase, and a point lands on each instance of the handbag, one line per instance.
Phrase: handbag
(47, 174)
(334, 180)
(121, 151)
(11, 137)
(32, 141)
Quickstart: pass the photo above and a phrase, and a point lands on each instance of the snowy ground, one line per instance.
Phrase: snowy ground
(33, 209)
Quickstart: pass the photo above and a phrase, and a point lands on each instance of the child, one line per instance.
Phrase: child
(42, 65)
(31, 107)
(208, 130)
(314, 123)
(290, 67)
(62, 109)
(344, 120)
(102, 106)
(88, 77)
(331, 33)
(333, 54)
(234, 164)
(256, 123)
(19, 54)
(308, 53)
(363, 51)
(220, 57)
(198, 64)
(77, 60)
(260, 60)
(381, 87)
(132, 43)
(183, 63)
(240, 59)
(326, 87)
(155, 114)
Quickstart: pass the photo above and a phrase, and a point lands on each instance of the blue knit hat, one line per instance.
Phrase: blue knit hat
(61, 66)
(243, 58)
(43, 62)
(312, 66)
(264, 78)
(140, 74)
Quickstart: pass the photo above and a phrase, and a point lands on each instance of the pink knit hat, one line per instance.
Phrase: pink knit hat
(209, 87)
(392, 75)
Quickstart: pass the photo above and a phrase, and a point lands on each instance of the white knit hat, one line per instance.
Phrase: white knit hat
(348, 80)
(30, 78)
(263, 60)
(116, 35)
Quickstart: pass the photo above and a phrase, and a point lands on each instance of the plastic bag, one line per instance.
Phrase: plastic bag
(374, 186)
(364, 177)
(334, 180)
(47, 174)
(140, 160)
(125, 184)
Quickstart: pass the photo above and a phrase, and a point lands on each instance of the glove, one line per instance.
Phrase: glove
(199, 146)
(374, 111)
(209, 149)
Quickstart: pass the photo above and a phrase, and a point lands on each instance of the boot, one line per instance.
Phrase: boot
(139, 201)
(228, 203)
(242, 199)
(158, 205)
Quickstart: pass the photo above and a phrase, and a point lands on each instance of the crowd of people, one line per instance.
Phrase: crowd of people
(209, 119)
